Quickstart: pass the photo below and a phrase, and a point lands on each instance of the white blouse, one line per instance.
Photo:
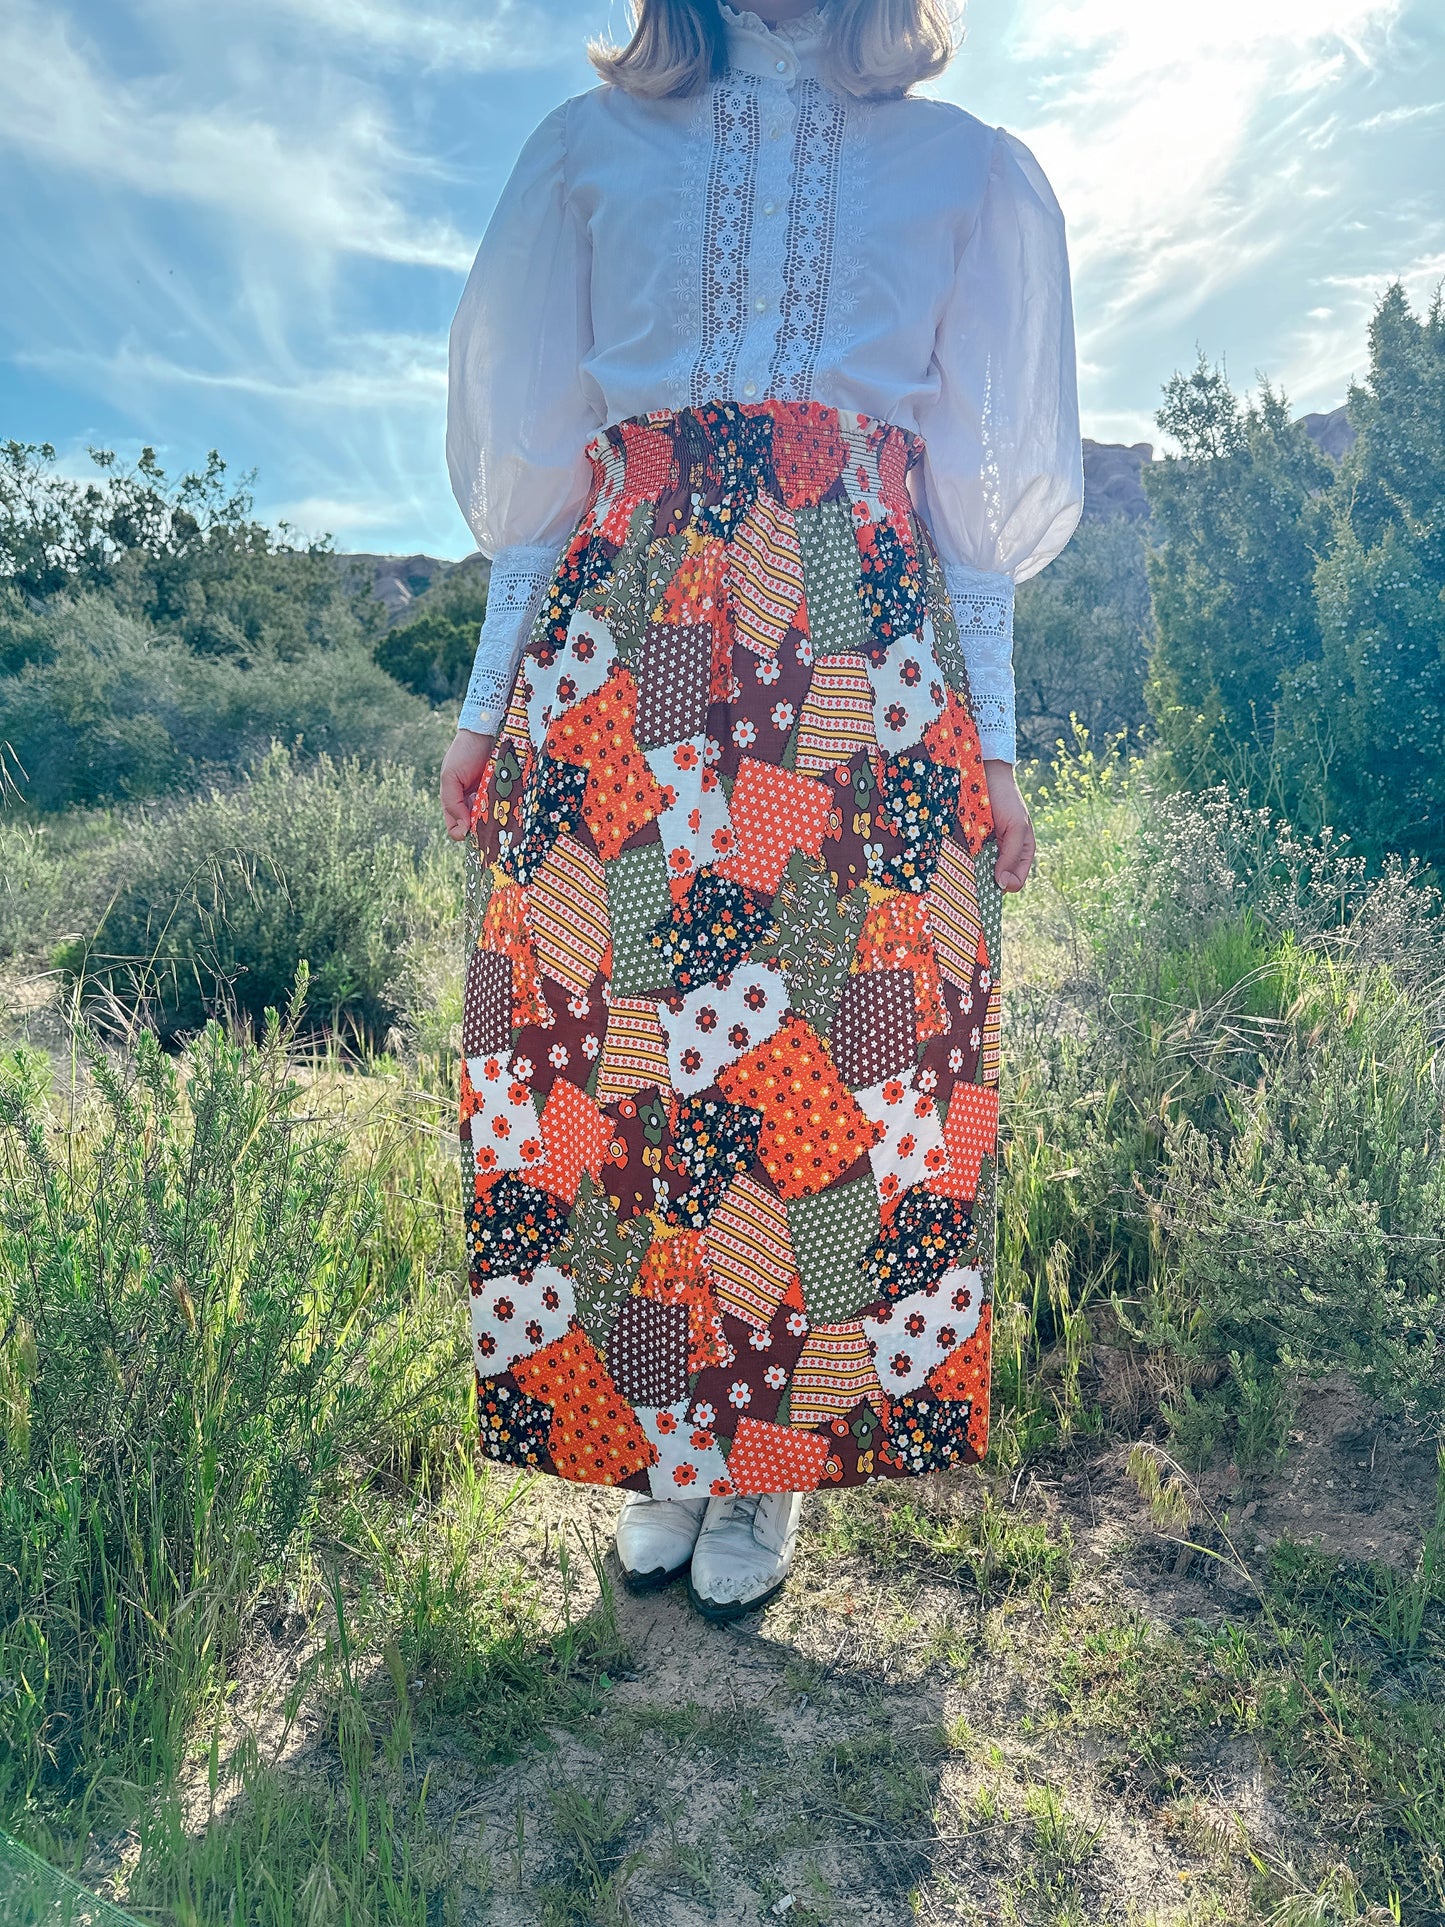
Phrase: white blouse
(771, 237)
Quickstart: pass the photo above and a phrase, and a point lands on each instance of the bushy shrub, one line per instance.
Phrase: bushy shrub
(1230, 1120)
(105, 709)
(207, 1303)
(186, 557)
(213, 903)
(432, 653)
(1299, 651)
(1080, 638)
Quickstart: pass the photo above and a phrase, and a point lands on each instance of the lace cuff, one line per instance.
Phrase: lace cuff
(518, 578)
(983, 606)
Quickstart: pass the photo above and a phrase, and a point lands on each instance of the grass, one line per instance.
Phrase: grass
(276, 1647)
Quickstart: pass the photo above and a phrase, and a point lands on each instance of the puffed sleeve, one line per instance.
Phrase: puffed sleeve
(1003, 473)
(518, 411)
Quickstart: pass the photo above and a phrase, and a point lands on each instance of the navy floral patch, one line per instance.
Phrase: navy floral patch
(512, 1425)
(925, 1237)
(713, 1142)
(918, 802)
(551, 807)
(711, 930)
(584, 567)
(735, 461)
(925, 1433)
(512, 1227)
(890, 587)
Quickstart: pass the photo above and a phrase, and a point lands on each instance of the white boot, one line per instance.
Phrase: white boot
(744, 1553)
(655, 1538)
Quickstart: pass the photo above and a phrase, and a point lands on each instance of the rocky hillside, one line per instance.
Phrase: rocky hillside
(400, 581)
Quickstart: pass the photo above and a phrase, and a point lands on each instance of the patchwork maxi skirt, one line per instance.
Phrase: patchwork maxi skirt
(731, 1012)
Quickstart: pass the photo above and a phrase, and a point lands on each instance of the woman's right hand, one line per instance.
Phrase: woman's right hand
(463, 768)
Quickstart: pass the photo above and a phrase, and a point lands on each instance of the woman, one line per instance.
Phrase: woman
(762, 400)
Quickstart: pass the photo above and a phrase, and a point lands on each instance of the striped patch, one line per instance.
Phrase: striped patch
(837, 715)
(749, 1252)
(765, 576)
(514, 729)
(992, 1027)
(953, 915)
(567, 907)
(835, 1370)
(634, 1051)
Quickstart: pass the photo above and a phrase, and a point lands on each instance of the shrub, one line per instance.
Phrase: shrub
(432, 653)
(214, 903)
(106, 709)
(1229, 1120)
(1080, 638)
(207, 1302)
(186, 557)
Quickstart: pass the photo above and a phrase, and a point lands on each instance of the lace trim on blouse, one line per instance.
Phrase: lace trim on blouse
(983, 607)
(724, 240)
(514, 592)
(808, 254)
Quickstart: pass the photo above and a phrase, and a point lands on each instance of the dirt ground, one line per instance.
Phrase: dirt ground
(907, 1735)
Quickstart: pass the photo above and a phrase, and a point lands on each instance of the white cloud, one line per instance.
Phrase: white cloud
(375, 372)
(1151, 127)
(333, 192)
(468, 37)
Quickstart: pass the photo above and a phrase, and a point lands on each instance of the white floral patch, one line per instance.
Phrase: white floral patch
(513, 1317)
(689, 1463)
(911, 1148)
(908, 690)
(582, 666)
(695, 826)
(504, 1131)
(718, 1023)
(910, 1338)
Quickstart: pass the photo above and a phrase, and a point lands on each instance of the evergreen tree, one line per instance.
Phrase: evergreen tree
(1239, 519)
(1362, 730)
(1079, 638)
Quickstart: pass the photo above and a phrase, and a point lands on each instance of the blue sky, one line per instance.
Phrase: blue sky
(245, 224)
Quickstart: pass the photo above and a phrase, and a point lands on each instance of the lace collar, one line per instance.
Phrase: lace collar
(793, 46)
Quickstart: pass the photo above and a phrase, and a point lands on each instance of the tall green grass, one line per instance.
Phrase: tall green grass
(1222, 1115)
(211, 1299)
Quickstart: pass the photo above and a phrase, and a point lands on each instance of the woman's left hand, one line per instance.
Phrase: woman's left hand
(1011, 826)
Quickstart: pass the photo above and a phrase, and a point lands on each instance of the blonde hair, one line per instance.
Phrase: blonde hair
(872, 48)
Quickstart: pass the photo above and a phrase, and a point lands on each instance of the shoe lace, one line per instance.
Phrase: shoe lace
(742, 1506)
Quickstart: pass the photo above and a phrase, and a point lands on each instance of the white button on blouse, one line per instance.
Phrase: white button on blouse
(916, 271)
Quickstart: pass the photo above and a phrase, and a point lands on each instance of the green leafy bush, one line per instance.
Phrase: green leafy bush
(1229, 1121)
(105, 709)
(1362, 731)
(1299, 607)
(212, 904)
(208, 1300)
(432, 653)
(186, 557)
(1080, 638)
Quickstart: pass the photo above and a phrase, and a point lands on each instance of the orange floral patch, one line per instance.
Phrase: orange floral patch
(576, 1137)
(505, 929)
(673, 1274)
(964, 1373)
(595, 1437)
(953, 740)
(895, 936)
(774, 812)
(813, 1131)
(600, 734)
(808, 451)
(969, 1136)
